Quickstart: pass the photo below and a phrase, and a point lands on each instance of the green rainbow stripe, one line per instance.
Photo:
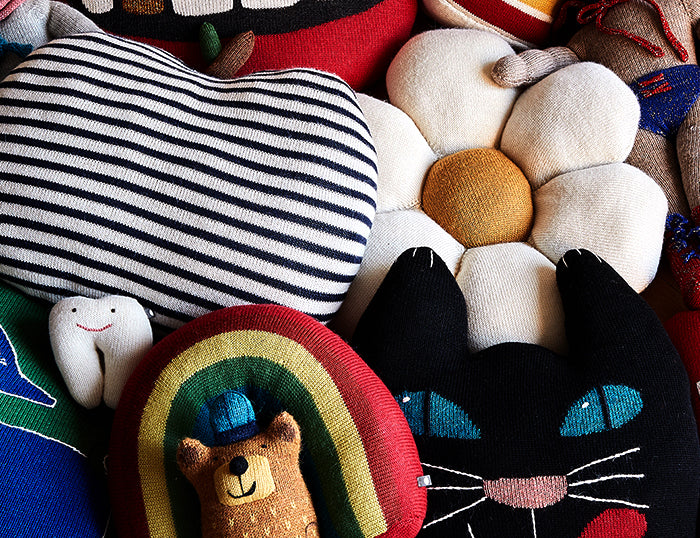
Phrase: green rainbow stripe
(283, 367)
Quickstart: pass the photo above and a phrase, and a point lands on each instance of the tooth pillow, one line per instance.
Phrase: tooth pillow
(355, 40)
(524, 24)
(520, 441)
(358, 456)
(124, 172)
(97, 343)
(53, 482)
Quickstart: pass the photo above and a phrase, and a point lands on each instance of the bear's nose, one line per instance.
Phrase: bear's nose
(238, 466)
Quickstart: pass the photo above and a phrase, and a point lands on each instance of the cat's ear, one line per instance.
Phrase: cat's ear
(415, 324)
(606, 320)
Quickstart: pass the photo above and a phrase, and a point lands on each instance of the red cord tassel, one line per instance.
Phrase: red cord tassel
(597, 10)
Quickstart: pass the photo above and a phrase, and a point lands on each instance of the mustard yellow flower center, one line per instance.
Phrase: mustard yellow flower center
(480, 197)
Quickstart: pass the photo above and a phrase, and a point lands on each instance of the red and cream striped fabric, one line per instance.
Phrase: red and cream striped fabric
(524, 23)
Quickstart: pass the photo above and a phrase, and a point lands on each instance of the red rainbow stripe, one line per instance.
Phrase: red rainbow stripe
(392, 456)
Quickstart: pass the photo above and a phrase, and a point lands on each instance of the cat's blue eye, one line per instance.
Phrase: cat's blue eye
(444, 418)
(601, 409)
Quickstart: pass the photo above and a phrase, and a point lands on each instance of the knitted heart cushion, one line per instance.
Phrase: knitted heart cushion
(124, 172)
(356, 40)
(500, 184)
(359, 462)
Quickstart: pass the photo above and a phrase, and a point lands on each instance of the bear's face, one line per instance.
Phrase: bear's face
(252, 487)
(242, 472)
(243, 479)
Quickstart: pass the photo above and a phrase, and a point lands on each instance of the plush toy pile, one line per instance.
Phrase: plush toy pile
(303, 268)
(501, 183)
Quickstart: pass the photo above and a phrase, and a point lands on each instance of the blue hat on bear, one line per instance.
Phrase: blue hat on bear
(232, 418)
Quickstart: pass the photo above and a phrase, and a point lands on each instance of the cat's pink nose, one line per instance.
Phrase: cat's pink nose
(535, 492)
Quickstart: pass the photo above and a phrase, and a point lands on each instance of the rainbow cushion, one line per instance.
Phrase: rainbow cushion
(359, 458)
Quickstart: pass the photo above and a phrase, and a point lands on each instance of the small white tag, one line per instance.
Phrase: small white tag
(424, 481)
(697, 385)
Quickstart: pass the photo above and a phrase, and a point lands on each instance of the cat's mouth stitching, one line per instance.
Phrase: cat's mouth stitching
(536, 492)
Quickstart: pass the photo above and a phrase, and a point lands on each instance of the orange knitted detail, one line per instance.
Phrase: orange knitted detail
(144, 7)
(480, 197)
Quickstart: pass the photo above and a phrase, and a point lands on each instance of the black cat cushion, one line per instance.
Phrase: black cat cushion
(520, 441)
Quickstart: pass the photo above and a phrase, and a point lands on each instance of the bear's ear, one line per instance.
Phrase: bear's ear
(284, 428)
(191, 454)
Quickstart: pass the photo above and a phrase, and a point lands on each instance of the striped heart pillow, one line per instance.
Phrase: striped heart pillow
(122, 171)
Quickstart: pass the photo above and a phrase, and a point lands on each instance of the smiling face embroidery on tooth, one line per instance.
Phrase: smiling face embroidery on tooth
(97, 343)
(521, 441)
(90, 330)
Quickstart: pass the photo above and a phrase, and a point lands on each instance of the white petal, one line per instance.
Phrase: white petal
(267, 4)
(442, 79)
(511, 296)
(188, 8)
(392, 234)
(98, 6)
(616, 211)
(403, 155)
(578, 117)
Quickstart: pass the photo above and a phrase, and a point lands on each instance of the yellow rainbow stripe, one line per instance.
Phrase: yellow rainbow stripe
(540, 9)
(289, 355)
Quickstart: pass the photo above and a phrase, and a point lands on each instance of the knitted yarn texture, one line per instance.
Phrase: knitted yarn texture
(125, 172)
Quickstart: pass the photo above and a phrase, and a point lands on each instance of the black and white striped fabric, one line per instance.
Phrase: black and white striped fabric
(122, 171)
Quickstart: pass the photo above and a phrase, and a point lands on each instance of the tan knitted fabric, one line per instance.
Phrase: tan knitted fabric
(253, 487)
(636, 38)
(630, 62)
(479, 197)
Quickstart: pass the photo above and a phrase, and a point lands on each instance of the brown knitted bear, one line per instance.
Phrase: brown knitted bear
(252, 488)
(650, 45)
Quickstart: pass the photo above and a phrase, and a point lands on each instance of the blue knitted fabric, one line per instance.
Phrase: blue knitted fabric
(665, 98)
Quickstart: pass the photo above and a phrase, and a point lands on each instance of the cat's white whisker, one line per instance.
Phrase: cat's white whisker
(451, 471)
(469, 528)
(605, 478)
(534, 527)
(596, 462)
(455, 488)
(610, 501)
(452, 514)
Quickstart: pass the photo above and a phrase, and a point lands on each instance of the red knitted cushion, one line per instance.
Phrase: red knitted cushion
(362, 463)
(355, 40)
(524, 23)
